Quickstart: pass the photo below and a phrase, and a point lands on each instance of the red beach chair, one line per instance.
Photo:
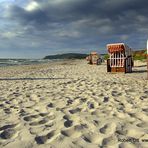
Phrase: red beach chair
(120, 58)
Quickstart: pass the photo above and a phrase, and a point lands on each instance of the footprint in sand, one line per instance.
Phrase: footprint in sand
(96, 122)
(93, 138)
(73, 111)
(66, 117)
(69, 101)
(87, 139)
(22, 113)
(50, 105)
(68, 122)
(105, 99)
(80, 127)
(7, 126)
(43, 121)
(44, 138)
(35, 130)
(121, 130)
(83, 100)
(8, 131)
(43, 114)
(115, 93)
(30, 118)
(71, 132)
(144, 97)
(2, 105)
(142, 124)
(50, 124)
(108, 128)
(109, 141)
(90, 105)
(7, 110)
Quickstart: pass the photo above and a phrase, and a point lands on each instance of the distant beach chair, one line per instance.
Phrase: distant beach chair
(120, 58)
(94, 58)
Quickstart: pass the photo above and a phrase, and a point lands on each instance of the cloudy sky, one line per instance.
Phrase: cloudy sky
(35, 28)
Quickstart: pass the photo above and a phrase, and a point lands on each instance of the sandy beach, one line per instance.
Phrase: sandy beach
(70, 104)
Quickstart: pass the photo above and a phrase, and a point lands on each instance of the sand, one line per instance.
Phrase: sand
(70, 104)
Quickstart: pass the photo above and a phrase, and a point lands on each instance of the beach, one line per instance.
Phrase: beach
(71, 104)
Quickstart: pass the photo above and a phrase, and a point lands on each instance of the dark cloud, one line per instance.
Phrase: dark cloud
(71, 25)
(94, 12)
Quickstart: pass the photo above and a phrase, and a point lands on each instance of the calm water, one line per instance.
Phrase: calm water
(15, 62)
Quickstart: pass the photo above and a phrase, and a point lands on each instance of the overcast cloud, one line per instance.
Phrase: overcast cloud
(36, 28)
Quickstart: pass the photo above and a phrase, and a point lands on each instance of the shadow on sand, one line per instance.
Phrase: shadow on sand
(140, 66)
(14, 79)
(139, 71)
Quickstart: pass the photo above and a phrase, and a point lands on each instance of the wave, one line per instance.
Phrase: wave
(15, 62)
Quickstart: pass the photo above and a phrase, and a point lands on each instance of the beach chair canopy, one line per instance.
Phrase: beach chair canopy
(115, 47)
(119, 47)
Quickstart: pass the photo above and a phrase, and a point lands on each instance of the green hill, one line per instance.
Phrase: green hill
(139, 54)
(67, 56)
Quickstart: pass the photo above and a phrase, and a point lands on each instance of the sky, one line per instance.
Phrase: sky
(36, 28)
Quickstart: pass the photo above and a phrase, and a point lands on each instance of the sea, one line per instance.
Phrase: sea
(15, 62)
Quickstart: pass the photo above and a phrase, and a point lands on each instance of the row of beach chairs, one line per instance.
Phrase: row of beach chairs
(120, 58)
